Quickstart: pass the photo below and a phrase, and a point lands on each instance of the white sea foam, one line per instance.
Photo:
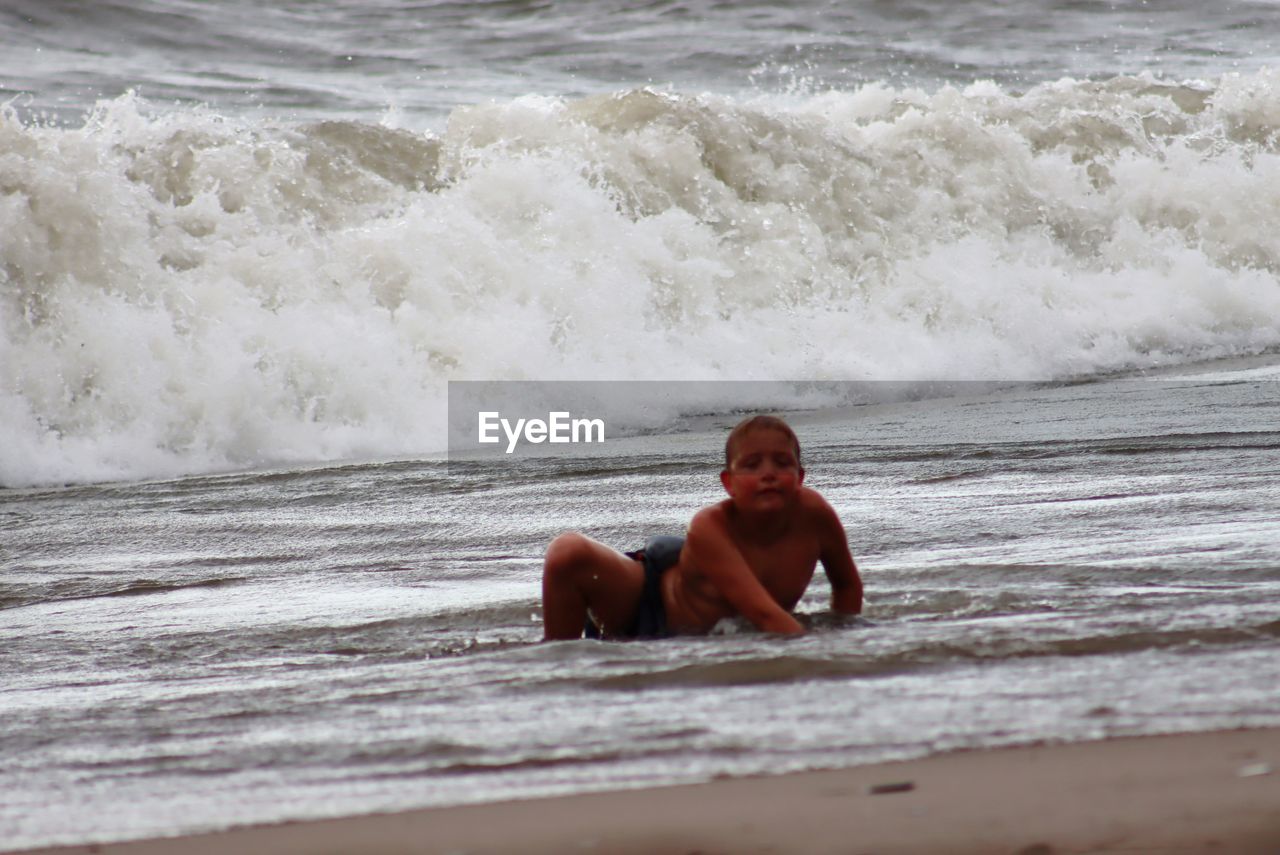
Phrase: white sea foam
(182, 291)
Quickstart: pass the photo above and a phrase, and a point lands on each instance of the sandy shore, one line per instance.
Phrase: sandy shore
(1213, 792)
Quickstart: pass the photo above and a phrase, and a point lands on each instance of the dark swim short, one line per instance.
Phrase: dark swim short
(659, 555)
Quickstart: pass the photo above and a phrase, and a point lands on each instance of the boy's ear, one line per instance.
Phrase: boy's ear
(801, 475)
(724, 480)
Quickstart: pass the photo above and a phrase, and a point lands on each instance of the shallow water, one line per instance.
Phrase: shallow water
(1042, 563)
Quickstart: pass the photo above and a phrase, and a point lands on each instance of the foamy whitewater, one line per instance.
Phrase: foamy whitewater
(245, 247)
(192, 289)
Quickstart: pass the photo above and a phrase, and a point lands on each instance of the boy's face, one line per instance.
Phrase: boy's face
(764, 474)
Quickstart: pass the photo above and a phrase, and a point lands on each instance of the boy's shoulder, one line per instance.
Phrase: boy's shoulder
(813, 507)
(811, 499)
(810, 505)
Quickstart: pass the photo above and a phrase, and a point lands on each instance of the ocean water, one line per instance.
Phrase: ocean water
(244, 249)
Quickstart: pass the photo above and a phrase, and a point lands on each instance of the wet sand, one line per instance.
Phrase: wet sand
(1211, 792)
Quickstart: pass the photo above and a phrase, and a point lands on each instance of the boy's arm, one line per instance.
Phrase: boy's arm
(837, 563)
(715, 555)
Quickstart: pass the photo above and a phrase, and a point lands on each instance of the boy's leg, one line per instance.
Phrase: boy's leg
(579, 573)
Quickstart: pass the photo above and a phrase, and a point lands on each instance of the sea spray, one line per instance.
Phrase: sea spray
(184, 291)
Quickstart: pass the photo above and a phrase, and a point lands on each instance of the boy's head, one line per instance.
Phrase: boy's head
(757, 423)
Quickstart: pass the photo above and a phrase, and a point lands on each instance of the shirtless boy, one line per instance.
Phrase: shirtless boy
(752, 554)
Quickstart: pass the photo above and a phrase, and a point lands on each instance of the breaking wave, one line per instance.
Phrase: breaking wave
(181, 291)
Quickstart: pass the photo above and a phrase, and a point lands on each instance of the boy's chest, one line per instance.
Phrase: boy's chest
(784, 569)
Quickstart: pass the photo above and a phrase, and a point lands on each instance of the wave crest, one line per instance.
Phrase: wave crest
(186, 292)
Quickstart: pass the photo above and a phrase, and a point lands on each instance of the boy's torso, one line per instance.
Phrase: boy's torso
(784, 566)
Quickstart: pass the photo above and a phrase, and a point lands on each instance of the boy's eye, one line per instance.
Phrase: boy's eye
(752, 462)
